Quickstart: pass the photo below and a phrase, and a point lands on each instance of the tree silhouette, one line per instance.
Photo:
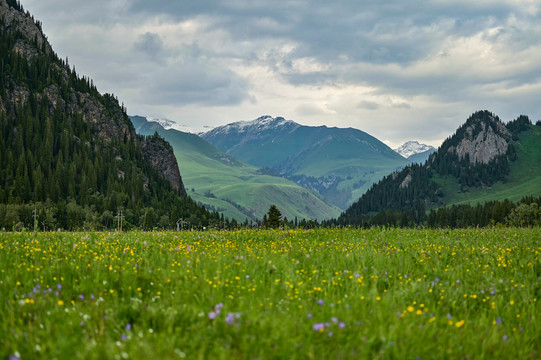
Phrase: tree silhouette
(274, 218)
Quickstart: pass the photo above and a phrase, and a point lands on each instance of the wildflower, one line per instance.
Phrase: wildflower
(504, 339)
(60, 303)
(411, 308)
(59, 286)
(319, 327)
(330, 334)
(128, 327)
(321, 302)
(437, 279)
(81, 297)
(498, 320)
(309, 315)
(230, 318)
(459, 323)
(334, 319)
(123, 337)
(342, 325)
(212, 315)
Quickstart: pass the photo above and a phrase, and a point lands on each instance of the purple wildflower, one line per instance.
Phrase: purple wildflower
(212, 315)
(82, 323)
(321, 302)
(92, 296)
(318, 327)
(399, 315)
(504, 339)
(59, 286)
(342, 325)
(330, 334)
(309, 315)
(334, 319)
(230, 318)
(123, 337)
(128, 327)
(437, 279)
(82, 297)
(458, 281)
(498, 320)
(492, 292)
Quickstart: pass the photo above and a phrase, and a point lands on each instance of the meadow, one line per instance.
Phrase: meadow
(283, 294)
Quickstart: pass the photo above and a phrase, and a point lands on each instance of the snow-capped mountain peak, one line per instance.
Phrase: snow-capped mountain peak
(413, 147)
(165, 123)
(259, 125)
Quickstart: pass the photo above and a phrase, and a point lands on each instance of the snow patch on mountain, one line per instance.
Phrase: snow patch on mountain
(170, 124)
(261, 124)
(413, 147)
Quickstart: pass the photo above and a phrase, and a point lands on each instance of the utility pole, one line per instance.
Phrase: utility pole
(119, 217)
(180, 222)
(35, 216)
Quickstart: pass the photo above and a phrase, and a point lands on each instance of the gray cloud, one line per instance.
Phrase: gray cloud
(150, 44)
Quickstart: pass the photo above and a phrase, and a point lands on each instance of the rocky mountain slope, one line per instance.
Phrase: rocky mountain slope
(65, 143)
(340, 164)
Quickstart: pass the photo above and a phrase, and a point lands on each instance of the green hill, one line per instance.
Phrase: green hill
(524, 178)
(239, 191)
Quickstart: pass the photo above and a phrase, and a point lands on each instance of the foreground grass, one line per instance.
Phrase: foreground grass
(271, 294)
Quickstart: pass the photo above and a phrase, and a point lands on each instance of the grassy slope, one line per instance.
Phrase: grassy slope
(524, 180)
(322, 152)
(205, 170)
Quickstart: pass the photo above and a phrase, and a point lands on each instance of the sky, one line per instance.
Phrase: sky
(398, 70)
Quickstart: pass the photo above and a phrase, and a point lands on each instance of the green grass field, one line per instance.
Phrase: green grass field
(322, 294)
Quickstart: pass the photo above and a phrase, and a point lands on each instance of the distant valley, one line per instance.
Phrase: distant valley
(238, 190)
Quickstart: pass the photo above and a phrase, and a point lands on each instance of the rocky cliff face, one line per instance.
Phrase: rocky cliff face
(483, 141)
(14, 20)
(107, 119)
(159, 153)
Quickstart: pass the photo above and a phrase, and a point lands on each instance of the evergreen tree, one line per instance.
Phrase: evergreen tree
(274, 218)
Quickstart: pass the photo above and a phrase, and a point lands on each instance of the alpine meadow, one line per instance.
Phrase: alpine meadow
(397, 215)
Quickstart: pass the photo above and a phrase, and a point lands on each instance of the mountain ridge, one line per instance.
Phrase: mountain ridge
(338, 163)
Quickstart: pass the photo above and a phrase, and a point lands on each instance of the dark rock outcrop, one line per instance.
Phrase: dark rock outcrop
(159, 153)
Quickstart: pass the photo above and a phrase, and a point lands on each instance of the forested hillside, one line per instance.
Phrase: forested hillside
(481, 155)
(69, 152)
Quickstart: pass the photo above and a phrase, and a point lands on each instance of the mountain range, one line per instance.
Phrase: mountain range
(340, 164)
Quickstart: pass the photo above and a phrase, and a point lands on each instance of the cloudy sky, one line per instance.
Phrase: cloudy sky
(399, 70)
